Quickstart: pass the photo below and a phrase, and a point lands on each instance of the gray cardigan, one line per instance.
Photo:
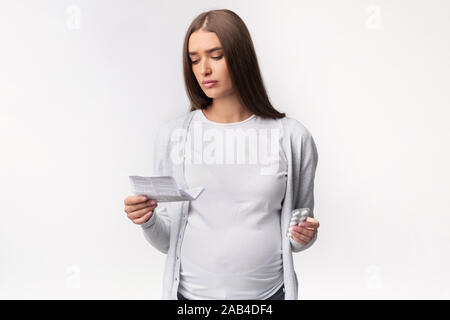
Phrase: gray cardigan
(164, 230)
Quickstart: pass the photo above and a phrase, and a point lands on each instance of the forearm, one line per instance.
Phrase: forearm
(157, 231)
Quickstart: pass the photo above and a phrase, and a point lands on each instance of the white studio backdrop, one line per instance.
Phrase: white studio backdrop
(85, 84)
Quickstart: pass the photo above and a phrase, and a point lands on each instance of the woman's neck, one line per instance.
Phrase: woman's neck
(226, 111)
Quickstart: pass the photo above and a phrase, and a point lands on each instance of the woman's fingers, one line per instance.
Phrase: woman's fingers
(139, 209)
(132, 200)
(144, 218)
(131, 208)
(141, 212)
(300, 238)
(304, 231)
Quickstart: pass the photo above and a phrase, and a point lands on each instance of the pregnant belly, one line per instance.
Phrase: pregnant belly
(234, 251)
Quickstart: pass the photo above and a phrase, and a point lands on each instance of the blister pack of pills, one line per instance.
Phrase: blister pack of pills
(298, 216)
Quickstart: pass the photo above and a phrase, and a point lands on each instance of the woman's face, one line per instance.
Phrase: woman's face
(209, 65)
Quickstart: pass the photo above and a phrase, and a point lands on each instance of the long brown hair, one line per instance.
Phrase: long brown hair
(241, 61)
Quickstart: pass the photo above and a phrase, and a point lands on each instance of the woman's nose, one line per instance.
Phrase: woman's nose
(205, 67)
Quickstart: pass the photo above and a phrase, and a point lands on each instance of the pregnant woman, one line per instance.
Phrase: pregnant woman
(257, 165)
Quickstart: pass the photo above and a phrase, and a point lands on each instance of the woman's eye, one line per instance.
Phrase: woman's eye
(216, 58)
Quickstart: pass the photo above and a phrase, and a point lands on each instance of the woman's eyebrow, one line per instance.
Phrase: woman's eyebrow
(209, 51)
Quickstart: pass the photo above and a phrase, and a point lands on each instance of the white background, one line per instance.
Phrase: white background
(84, 83)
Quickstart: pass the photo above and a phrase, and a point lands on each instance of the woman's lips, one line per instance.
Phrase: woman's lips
(210, 84)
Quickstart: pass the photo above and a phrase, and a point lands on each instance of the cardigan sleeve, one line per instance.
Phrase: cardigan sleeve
(157, 228)
(305, 197)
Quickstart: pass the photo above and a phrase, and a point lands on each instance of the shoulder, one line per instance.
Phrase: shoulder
(295, 129)
(178, 122)
(301, 139)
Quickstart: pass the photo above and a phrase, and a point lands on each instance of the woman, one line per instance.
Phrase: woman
(231, 242)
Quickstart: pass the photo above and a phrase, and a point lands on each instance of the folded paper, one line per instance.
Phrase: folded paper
(163, 189)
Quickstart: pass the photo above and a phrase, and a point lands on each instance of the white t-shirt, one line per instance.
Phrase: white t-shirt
(232, 243)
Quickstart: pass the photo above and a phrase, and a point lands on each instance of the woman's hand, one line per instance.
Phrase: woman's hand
(304, 233)
(139, 209)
